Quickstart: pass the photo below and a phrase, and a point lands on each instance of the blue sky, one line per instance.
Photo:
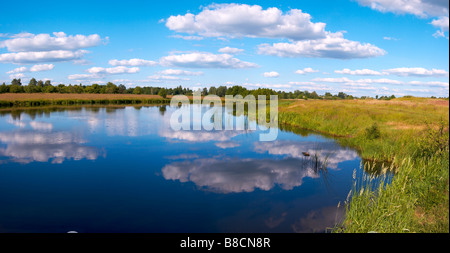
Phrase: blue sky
(362, 47)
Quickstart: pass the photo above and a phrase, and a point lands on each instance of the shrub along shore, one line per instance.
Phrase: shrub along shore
(410, 134)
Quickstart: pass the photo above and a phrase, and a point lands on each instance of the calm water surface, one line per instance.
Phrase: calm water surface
(125, 170)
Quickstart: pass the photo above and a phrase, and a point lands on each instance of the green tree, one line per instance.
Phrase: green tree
(162, 92)
(314, 95)
(122, 89)
(111, 88)
(221, 91)
(48, 83)
(237, 90)
(4, 88)
(40, 83)
(15, 88)
(16, 82)
(137, 90)
(212, 90)
(32, 82)
(49, 89)
(342, 95)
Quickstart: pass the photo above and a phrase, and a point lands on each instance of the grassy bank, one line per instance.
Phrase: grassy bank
(412, 133)
(380, 130)
(39, 99)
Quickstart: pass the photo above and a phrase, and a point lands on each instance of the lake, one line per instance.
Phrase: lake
(123, 169)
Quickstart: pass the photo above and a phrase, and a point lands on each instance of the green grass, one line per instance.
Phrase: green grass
(416, 201)
(398, 123)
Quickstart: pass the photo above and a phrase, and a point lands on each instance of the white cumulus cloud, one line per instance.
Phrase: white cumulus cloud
(333, 46)
(242, 20)
(418, 72)
(271, 74)
(359, 72)
(306, 71)
(205, 60)
(42, 67)
(179, 72)
(46, 42)
(419, 8)
(132, 62)
(231, 50)
(44, 56)
(35, 68)
(18, 70)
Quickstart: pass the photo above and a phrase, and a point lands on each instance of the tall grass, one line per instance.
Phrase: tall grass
(415, 201)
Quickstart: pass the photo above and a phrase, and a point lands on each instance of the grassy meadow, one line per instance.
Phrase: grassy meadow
(409, 135)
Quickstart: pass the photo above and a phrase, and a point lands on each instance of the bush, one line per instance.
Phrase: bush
(373, 132)
(434, 141)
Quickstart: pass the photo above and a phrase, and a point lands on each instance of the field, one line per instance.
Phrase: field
(410, 136)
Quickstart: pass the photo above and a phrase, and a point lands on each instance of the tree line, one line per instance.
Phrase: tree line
(39, 86)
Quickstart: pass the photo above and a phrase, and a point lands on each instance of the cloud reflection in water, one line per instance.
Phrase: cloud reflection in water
(42, 145)
(240, 175)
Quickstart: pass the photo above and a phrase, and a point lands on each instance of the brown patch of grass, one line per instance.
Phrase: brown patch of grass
(404, 126)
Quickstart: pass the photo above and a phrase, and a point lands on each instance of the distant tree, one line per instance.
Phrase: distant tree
(205, 92)
(111, 88)
(4, 88)
(122, 89)
(137, 90)
(16, 82)
(263, 92)
(40, 83)
(237, 90)
(178, 90)
(61, 88)
(49, 89)
(342, 95)
(212, 90)
(48, 83)
(162, 92)
(221, 91)
(314, 95)
(32, 82)
(15, 88)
